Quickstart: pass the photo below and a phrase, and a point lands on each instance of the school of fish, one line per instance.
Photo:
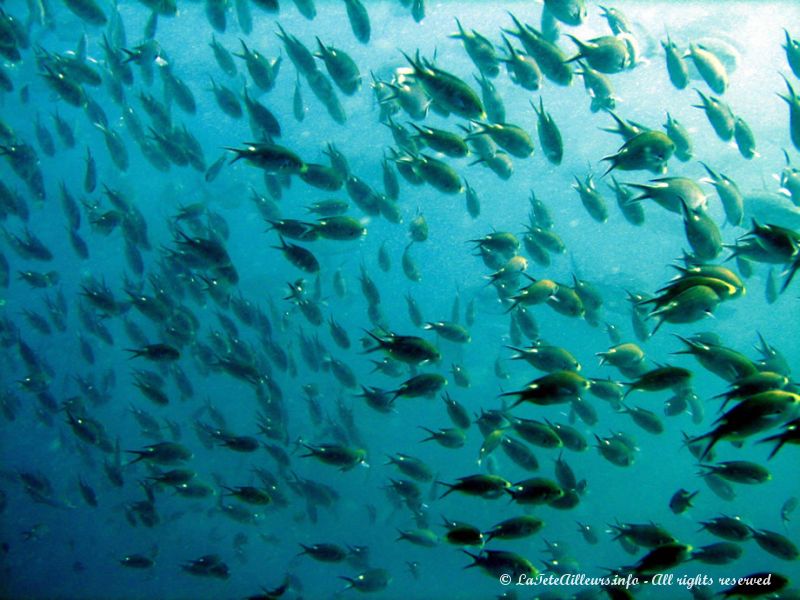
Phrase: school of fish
(526, 327)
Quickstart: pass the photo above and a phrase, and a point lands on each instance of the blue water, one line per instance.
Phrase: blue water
(65, 548)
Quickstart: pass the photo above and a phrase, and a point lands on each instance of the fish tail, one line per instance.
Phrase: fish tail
(612, 159)
(777, 447)
(790, 274)
(381, 343)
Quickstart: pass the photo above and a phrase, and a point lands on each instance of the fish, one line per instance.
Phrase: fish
(719, 115)
(549, 135)
(676, 64)
(480, 50)
(607, 54)
(648, 150)
(359, 20)
(710, 67)
(249, 246)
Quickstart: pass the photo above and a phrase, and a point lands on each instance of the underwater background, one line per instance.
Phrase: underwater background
(264, 404)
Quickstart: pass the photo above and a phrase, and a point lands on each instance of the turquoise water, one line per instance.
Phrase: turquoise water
(59, 546)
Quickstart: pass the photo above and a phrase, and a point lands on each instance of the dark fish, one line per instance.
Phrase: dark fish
(359, 20)
(156, 352)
